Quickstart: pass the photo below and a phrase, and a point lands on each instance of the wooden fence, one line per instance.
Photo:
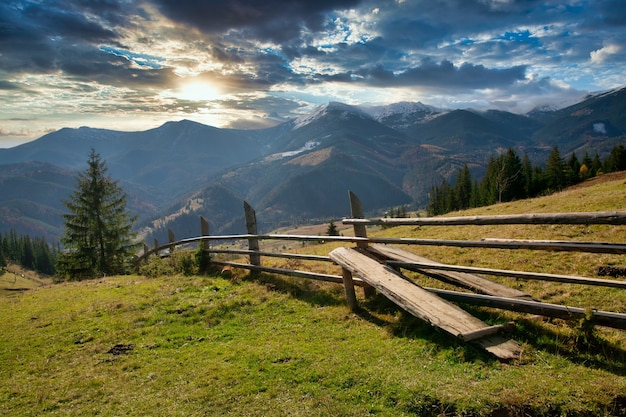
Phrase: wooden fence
(362, 241)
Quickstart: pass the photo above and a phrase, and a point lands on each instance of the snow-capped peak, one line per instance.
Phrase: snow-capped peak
(401, 108)
(332, 106)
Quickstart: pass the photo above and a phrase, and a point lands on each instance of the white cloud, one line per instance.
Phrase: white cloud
(600, 56)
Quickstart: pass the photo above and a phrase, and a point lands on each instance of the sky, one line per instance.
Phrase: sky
(134, 65)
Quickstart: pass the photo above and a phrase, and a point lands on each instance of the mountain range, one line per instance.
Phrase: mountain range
(296, 172)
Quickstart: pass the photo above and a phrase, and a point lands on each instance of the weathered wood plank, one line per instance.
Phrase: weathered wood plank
(470, 281)
(419, 302)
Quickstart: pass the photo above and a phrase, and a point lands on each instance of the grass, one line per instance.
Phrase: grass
(207, 345)
(241, 345)
(15, 279)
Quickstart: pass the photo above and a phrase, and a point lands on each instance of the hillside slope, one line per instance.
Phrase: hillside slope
(182, 345)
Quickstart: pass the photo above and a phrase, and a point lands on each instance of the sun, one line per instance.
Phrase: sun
(198, 91)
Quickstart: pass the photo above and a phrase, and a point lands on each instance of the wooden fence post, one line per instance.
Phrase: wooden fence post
(251, 227)
(156, 247)
(172, 239)
(357, 212)
(348, 284)
(204, 231)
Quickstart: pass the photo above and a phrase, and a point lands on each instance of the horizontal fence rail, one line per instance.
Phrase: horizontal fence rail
(593, 247)
(272, 254)
(569, 279)
(602, 318)
(362, 241)
(600, 217)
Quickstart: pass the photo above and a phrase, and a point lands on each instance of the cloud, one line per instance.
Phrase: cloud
(7, 85)
(276, 20)
(606, 53)
(273, 59)
(443, 75)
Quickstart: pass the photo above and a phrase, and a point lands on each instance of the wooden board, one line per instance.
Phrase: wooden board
(421, 303)
(472, 282)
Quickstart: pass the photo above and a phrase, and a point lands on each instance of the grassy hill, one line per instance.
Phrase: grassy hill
(274, 346)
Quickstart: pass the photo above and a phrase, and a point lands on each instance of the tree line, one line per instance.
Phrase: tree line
(30, 253)
(508, 178)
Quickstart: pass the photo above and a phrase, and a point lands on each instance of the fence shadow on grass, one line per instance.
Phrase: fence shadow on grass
(579, 347)
(308, 291)
(405, 325)
(593, 351)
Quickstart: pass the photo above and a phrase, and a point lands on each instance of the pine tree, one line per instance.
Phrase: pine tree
(555, 171)
(463, 187)
(332, 229)
(574, 165)
(616, 161)
(596, 166)
(98, 236)
(585, 167)
(3, 259)
(44, 257)
(27, 259)
(527, 177)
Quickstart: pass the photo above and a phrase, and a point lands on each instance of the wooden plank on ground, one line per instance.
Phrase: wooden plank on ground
(421, 303)
(472, 282)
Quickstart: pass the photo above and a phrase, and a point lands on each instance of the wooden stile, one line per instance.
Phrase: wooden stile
(470, 281)
(423, 304)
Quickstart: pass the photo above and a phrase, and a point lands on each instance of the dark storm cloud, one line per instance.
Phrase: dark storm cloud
(88, 64)
(34, 36)
(442, 75)
(72, 24)
(278, 20)
(6, 85)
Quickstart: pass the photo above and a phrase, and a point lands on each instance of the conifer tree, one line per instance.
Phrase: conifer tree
(98, 229)
(574, 166)
(27, 259)
(332, 229)
(616, 161)
(527, 177)
(596, 165)
(3, 259)
(555, 171)
(463, 187)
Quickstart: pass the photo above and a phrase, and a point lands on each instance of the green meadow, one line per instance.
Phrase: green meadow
(235, 344)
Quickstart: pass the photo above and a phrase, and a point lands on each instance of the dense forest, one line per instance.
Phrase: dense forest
(510, 178)
(31, 253)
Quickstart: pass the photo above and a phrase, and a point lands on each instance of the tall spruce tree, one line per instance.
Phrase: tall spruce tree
(98, 238)
(555, 171)
(3, 259)
(463, 188)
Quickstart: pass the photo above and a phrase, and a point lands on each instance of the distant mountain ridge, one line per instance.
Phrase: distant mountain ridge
(297, 171)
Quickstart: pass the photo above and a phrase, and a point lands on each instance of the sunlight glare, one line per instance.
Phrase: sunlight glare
(198, 91)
